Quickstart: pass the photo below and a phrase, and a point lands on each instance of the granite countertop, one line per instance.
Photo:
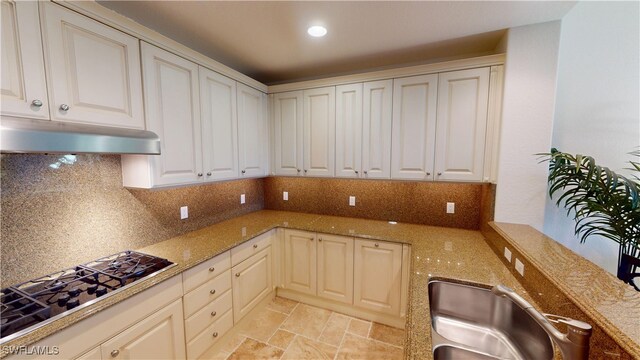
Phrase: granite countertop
(435, 252)
(611, 304)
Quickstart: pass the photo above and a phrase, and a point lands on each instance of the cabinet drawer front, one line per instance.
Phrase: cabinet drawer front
(206, 293)
(253, 246)
(207, 315)
(206, 339)
(206, 271)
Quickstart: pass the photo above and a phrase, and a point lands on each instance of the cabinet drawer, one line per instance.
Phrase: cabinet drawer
(206, 293)
(206, 271)
(207, 315)
(253, 246)
(209, 336)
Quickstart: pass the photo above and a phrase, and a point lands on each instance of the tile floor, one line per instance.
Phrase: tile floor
(290, 330)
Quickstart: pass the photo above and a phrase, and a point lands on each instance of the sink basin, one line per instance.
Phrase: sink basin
(470, 322)
(446, 352)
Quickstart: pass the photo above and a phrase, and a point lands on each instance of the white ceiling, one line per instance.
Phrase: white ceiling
(267, 40)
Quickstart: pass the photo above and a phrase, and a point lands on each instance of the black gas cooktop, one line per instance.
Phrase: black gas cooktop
(34, 302)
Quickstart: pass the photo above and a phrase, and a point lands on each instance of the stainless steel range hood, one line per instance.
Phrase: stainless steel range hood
(38, 136)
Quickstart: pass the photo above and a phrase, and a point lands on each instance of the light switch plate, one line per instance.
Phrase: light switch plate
(242, 199)
(451, 208)
(507, 254)
(519, 267)
(184, 212)
(352, 201)
(285, 195)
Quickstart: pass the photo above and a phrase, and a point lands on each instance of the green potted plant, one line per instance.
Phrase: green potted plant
(602, 203)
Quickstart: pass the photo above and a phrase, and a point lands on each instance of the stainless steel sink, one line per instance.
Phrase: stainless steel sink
(446, 352)
(470, 322)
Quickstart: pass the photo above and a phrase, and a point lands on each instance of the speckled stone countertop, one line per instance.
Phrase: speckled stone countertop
(611, 304)
(436, 252)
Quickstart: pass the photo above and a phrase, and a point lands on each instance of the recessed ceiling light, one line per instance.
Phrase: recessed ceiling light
(317, 31)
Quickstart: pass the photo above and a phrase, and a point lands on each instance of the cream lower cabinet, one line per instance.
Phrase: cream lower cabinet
(378, 276)
(252, 282)
(207, 303)
(335, 268)
(94, 354)
(159, 336)
(362, 278)
(300, 261)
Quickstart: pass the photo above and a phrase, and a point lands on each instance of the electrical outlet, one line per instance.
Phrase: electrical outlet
(184, 212)
(507, 254)
(242, 199)
(244, 231)
(352, 201)
(519, 267)
(285, 195)
(448, 246)
(451, 208)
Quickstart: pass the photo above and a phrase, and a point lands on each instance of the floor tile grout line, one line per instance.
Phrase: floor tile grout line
(341, 341)
(378, 341)
(324, 327)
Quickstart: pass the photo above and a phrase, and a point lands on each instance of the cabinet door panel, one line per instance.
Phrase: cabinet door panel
(378, 276)
(219, 125)
(173, 112)
(252, 281)
(252, 132)
(349, 130)
(160, 336)
(462, 124)
(288, 133)
(94, 69)
(22, 76)
(414, 127)
(319, 131)
(376, 129)
(335, 268)
(300, 261)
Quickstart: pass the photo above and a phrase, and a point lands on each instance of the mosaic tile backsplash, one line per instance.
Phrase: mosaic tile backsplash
(58, 212)
(403, 201)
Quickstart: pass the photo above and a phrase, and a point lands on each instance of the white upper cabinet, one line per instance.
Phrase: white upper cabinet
(93, 71)
(24, 90)
(319, 131)
(173, 112)
(219, 125)
(462, 124)
(414, 127)
(288, 133)
(376, 129)
(252, 132)
(349, 130)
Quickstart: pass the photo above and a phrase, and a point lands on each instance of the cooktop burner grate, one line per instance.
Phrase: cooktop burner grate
(30, 303)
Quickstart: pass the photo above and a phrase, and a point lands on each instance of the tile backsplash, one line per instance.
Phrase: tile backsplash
(60, 211)
(54, 218)
(403, 201)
